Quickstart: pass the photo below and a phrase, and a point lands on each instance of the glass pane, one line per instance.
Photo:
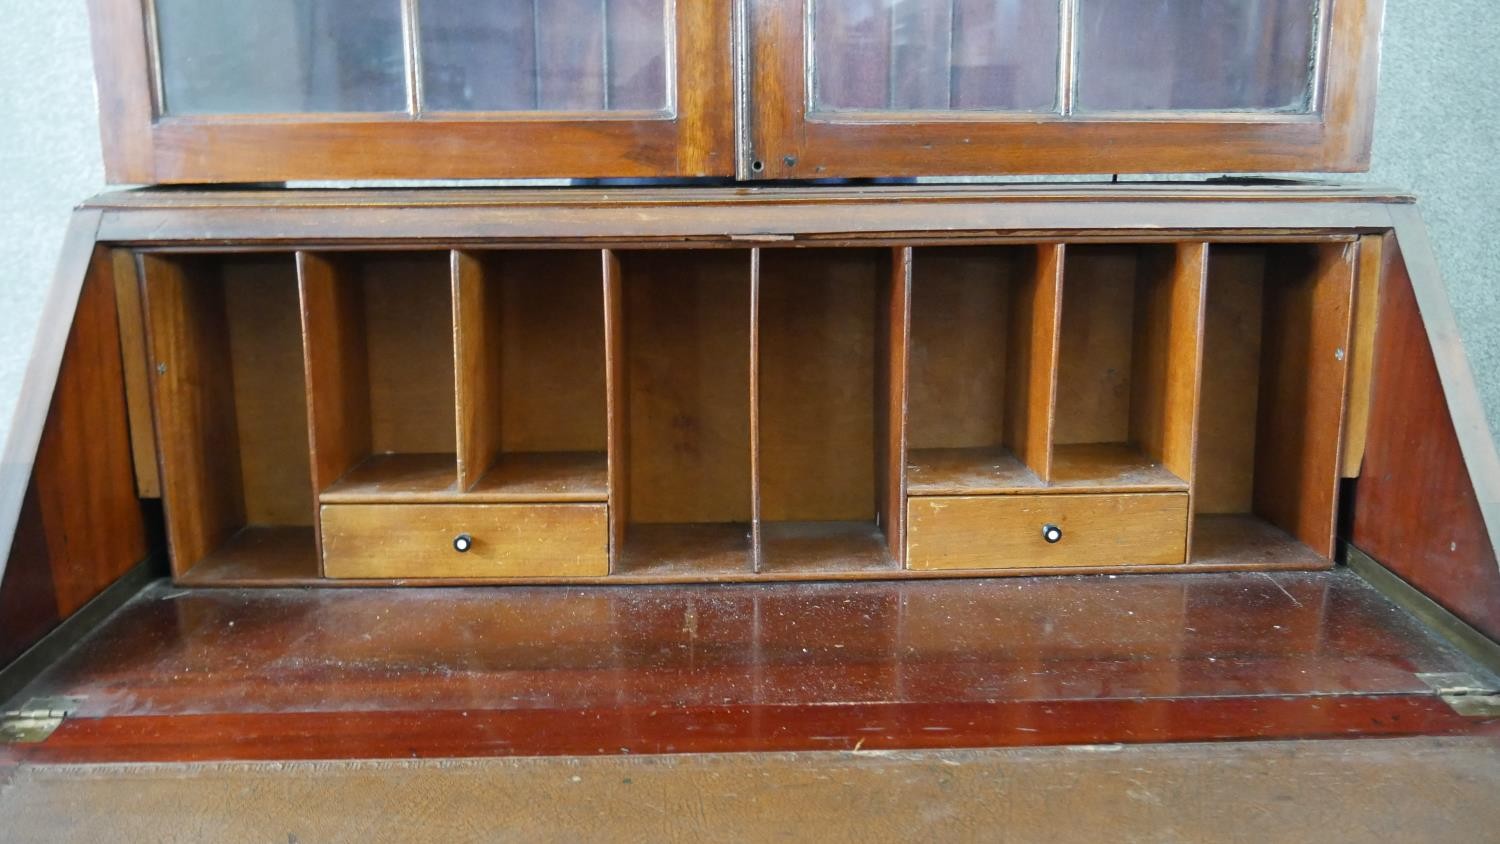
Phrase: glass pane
(894, 55)
(550, 55)
(281, 56)
(1228, 55)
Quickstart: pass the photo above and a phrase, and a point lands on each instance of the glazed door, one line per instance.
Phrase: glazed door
(222, 90)
(848, 88)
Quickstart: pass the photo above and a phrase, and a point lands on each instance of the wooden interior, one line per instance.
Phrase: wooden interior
(750, 413)
(231, 402)
(1276, 320)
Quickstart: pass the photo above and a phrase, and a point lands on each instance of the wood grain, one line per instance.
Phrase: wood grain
(893, 340)
(688, 336)
(794, 141)
(981, 532)
(337, 367)
(1418, 508)
(82, 479)
(694, 137)
(409, 337)
(617, 384)
(197, 435)
(961, 313)
(1034, 365)
(510, 540)
(476, 340)
(1095, 348)
(133, 357)
(1374, 256)
(1230, 399)
(1304, 382)
(270, 394)
(817, 401)
(1167, 356)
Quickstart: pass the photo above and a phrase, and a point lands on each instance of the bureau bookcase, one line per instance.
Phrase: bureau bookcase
(884, 408)
(774, 315)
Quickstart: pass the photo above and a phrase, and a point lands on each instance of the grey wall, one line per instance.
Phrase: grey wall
(1437, 134)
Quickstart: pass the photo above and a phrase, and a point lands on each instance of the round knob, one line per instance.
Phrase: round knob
(1052, 533)
(463, 542)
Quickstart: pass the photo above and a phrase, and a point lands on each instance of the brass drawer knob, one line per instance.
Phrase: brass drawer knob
(1052, 533)
(462, 543)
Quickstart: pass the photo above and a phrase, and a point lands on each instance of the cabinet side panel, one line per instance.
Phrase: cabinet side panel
(84, 476)
(1415, 509)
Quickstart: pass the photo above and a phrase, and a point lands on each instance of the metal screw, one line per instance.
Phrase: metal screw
(1338, 355)
(161, 369)
(790, 161)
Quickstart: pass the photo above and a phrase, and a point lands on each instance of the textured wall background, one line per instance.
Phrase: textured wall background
(1437, 134)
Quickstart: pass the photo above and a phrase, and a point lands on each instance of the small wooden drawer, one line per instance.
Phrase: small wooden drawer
(403, 541)
(1010, 531)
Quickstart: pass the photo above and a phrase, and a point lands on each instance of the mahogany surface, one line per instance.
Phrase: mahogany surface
(1415, 507)
(235, 674)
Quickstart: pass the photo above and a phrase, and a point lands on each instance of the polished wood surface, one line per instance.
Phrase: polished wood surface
(134, 359)
(202, 486)
(223, 674)
(1007, 531)
(693, 138)
(789, 141)
(1304, 371)
(393, 541)
(1375, 255)
(886, 215)
(1416, 507)
(68, 455)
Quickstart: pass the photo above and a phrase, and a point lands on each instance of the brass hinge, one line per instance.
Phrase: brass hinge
(1465, 694)
(37, 720)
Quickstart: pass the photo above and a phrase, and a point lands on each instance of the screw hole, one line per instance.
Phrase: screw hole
(757, 165)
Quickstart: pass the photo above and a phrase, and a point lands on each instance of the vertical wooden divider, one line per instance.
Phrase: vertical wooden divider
(754, 350)
(1031, 380)
(617, 386)
(1304, 385)
(336, 366)
(476, 366)
(1168, 365)
(893, 327)
(197, 433)
(1375, 253)
(134, 356)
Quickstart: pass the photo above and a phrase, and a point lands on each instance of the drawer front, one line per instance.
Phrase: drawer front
(505, 540)
(1007, 531)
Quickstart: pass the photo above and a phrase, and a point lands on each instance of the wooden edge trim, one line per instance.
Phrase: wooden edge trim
(40, 656)
(1475, 439)
(1374, 263)
(1452, 629)
(757, 539)
(134, 356)
(35, 398)
(978, 218)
